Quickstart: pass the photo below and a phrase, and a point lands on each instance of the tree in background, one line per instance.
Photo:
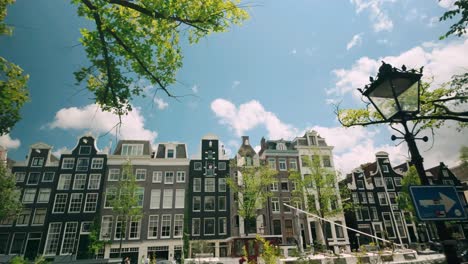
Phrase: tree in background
(126, 203)
(13, 92)
(10, 205)
(250, 188)
(404, 197)
(459, 28)
(318, 188)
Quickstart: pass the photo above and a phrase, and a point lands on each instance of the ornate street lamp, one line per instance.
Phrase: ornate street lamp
(395, 94)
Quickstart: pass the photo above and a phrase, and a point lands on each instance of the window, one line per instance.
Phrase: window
(140, 195)
(281, 146)
(392, 197)
(195, 226)
(166, 226)
(155, 198)
(382, 198)
(358, 215)
(114, 174)
(339, 230)
(378, 182)
(97, 163)
(135, 226)
(85, 150)
(221, 185)
(385, 168)
(196, 203)
(80, 182)
(157, 176)
(37, 162)
(64, 182)
(140, 174)
(180, 176)
(94, 181)
(209, 226)
(132, 149)
(153, 223)
(388, 225)
(355, 198)
(39, 216)
(363, 197)
(272, 163)
(85, 228)
(44, 195)
(68, 163)
(33, 178)
(389, 183)
(277, 227)
(178, 225)
(292, 164)
(209, 203)
(370, 197)
(29, 195)
(282, 164)
(365, 213)
(111, 194)
(209, 185)
(82, 164)
(24, 217)
(106, 227)
(120, 232)
(360, 184)
(4, 243)
(326, 161)
(222, 226)
(20, 176)
(167, 199)
(91, 202)
(445, 173)
(169, 177)
(48, 176)
(288, 202)
(197, 166)
(179, 199)
(397, 181)
(197, 185)
(284, 186)
(210, 154)
(170, 153)
(274, 186)
(275, 205)
(209, 169)
(60, 203)
(221, 203)
(53, 239)
(375, 215)
(75, 202)
(399, 224)
(221, 165)
(68, 243)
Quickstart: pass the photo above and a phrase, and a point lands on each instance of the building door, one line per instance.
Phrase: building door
(32, 246)
(83, 248)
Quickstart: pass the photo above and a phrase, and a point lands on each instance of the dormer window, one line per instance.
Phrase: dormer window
(85, 150)
(132, 149)
(209, 170)
(210, 144)
(281, 146)
(170, 154)
(246, 142)
(37, 162)
(210, 154)
(312, 141)
(385, 168)
(445, 173)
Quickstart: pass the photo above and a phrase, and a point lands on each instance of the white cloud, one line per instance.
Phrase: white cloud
(160, 103)
(379, 18)
(293, 51)
(383, 41)
(356, 40)
(250, 115)
(91, 118)
(433, 21)
(60, 151)
(440, 62)
(9, 143)
(195, 88)
(235, 84)
(447, 4)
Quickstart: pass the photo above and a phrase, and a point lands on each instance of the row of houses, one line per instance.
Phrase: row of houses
(67, 201)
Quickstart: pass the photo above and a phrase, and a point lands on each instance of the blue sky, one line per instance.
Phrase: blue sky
(275, 76)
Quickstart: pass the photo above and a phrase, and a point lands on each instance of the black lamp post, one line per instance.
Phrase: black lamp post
(395, 94)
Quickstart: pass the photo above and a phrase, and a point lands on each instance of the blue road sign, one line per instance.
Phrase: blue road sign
(437, 202)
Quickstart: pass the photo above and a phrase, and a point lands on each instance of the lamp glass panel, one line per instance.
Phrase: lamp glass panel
(383, 99)
(409, 99)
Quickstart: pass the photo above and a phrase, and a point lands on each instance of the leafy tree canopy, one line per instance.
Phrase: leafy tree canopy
(9, 195)
(404, 197)
(459, 28)
(140, 40)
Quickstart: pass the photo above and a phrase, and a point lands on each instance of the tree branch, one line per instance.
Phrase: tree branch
(450, 112)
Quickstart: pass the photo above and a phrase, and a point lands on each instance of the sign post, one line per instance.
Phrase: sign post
(437, 203)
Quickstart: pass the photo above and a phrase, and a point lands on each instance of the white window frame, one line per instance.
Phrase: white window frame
(210, 184)
(50, 172)
(80, 152)
(157, 176)
(35, 215)
(68, 163)
(41, 192)
(194, 220)
(222, 185)
(71, 237)
(106, 225)
(272, 163)
(293, 167)
(155, 201)
(199, 202)
(81, 167)
(73, 203)
(163, 222)
(56, 227)
(37, 160)
(166, 174)
(64, 182)
(132, 235)
(205, 203)
(197, 184)
(112, 175)
(94, 181)
(153, 221)
(20, 176)
(274, 187)
(222, 221)
(179, 198)
(38, 178)
(180, 176)
(168, 198)
(29, 192)
(178, 225)
(109, 191)
(64, 203)
(139, 173)
(88, 201)
(97, 163)
(282, 161)
(275, 205)
(132, 150)
(79, 180)
(214, 226)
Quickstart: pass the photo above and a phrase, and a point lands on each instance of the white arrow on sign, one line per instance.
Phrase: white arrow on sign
(446, 201)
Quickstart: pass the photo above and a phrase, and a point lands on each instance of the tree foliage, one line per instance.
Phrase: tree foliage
(318, 187)
(10, 204)
(140, 40)
(404, 198)
(251, 187)
(270, 253)
(13, 92)
(459, 28)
